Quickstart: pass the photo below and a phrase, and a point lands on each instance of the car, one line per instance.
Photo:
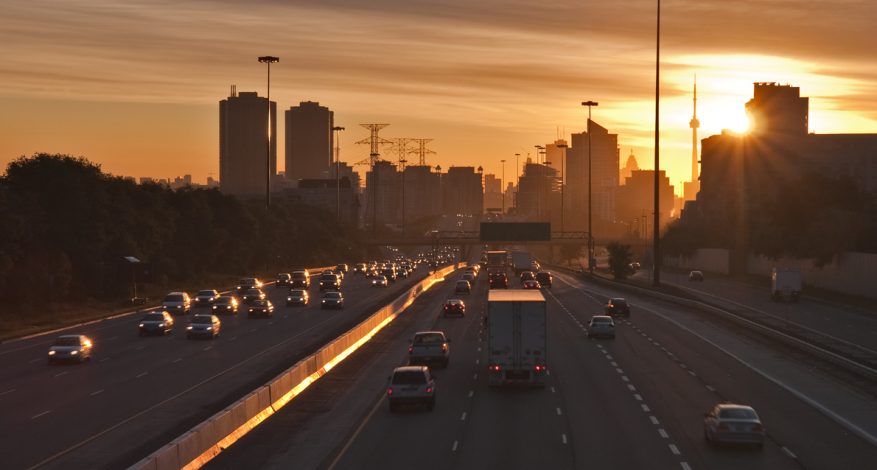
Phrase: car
(251, 295)
(329, 282)
(463, 287)
(301, 279)
(360, 268)
(617, 307)
(498, 280)
(380, 281)
(411, 385)
(342, 268)
(332, 300)
(468, 277)
(247, 283)
(156, 323)
(75, 348)
(261, 307)
(527, 275)
(429, 347)
(454, 307)
(283, 280)
(734, 424)
(225, 304)
(206, 297)
(545, 279)
(695, 276)
(601, 326)
(297, 297)
(177, 302)
(531, 284)
(203, 326)
(390, 273)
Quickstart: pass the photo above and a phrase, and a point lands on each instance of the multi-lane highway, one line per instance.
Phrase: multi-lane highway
(138, 393)
(633, 402)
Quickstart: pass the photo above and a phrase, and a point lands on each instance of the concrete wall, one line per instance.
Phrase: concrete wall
(713, 260)
(850, 273)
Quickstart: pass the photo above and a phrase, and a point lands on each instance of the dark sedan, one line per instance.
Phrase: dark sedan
(262, 308)
(252, 295)
(156, 323)
(225, 304)
(617, 307)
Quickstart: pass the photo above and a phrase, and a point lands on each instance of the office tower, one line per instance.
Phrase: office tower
(462, 192)
(243, 139)
(309, 141)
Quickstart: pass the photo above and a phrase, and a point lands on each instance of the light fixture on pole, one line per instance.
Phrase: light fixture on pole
(589, 104)
(267, 59)
(502, 187)
(337, 129)
(563, 148)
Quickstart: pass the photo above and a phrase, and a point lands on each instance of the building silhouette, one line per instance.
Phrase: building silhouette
(630, 166)
(778, 109)
(383, 199)
(423, 193)
(309, 141)
(462, 192)
(604, 184)
(492, 192)
(635, 202)
(324, 194)
(538, 197)
(691, 188)
(243, 139)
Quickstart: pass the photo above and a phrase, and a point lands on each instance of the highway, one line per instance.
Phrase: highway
(138, 393)
(633, 402)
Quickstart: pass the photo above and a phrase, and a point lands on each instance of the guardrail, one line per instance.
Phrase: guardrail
(205, 441)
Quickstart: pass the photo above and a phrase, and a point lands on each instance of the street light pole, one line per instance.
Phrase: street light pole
(502, 187)
(540, 181)
(337, 129)
(656, 237)
(402, 163)
(562, 180)
(589, 104)
(268, 60)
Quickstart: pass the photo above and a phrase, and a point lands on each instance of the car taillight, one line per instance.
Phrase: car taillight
(446, 307)
(390, 391)
(410, 349)
(444, 347)
(428, 389)
(540, 368)
(494, 367)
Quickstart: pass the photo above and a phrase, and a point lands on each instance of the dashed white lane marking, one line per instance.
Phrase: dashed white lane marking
(663, 433)
(208, 348)
(609, 356)
(35, 360)
(177, 360)
(454, 447)
(552, 390)
(789, 453)
(563, 438)
(97, 392)
(479, 348)
(638, 397)
(692, 373)
(631, 387)
(143, 374)
(270, 322)
(463, 417)
(613, 364)
(620, 371)
(685, 465)
(8, 391)
(654, 420)
(710, 388)
(475, 376)
(471, 393)
(645, 407)
(61, 373)
(559, 412)
(41, 414)
(683, 366)
(547, 372)
(674, 449)
(233, 338)
(253, 330)
(624, 378)
(105, 359)
(477, 361)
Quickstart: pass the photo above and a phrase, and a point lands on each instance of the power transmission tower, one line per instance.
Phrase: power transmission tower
(422, 151)
(374, 141)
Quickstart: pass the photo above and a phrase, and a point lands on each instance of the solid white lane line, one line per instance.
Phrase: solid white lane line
(454, 447)
(35, 360)
(179, 359)
(558, 412)
(471, 393)
(8, 391)
(41, 414)
(654, 420)
(61, 373)
(97, 392)
(645, 407)
(789, 453)
(663, 433)
(674, 449)
(638, 397)
(563, 438)
(208, 348)
(710, 388)
(685, 465)
(463, 417)
(144, 374)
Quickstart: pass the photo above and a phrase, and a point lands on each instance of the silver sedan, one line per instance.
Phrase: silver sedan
(732, 423)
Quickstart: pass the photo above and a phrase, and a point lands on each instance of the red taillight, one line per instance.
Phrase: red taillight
(428, 389)
(389, 391)
(494, 367)
(540, 368)
(446, 307)
(410, 349)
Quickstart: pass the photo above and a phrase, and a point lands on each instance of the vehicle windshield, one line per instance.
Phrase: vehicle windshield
(223, 300)
(737, 413)
(173, 298)
(297, 293)
(333, 295)
(300, 275)
(601, 320)
(200, 319)
(153, 317)
(409, 377)
(429, 338)
(67, 341)
(619, 302)
(283, 276)
(206, 293)
(252, 292)
(260, 303)
(248, 281)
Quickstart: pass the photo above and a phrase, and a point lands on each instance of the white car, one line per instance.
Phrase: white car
(177, 302)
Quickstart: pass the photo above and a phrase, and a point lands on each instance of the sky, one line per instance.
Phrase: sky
(135, 85)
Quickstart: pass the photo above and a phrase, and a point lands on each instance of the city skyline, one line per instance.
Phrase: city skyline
(484, 82)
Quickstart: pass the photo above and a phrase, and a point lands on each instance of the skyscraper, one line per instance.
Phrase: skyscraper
(778, 109)
(309, 141)
(605, 165)
(243, 138)
(462, 192)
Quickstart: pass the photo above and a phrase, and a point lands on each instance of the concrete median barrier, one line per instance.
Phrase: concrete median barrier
(203, 442)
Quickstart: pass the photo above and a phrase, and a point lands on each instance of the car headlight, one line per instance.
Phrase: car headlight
(141, 325)
(52, 353)
(209, 327)
(323, 301)
(161, 324)
(252, 309)
(188, 327)
(215, 307)
(289, 299)
(74, 352)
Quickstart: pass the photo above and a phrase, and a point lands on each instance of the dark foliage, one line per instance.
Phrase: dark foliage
(619, 260)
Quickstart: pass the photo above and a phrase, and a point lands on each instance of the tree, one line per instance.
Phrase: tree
(619, 260)
(570, 251)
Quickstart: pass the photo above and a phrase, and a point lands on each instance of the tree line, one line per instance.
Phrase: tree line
(67, 227)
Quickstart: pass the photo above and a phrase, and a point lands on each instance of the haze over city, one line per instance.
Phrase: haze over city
(134, 86)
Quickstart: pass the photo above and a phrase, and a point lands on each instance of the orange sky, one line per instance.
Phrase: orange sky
(134, 86)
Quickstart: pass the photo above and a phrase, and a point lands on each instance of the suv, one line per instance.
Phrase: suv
(177, 302)
(617, 306)
(160, 323)
(429, 347)
(301, 279)
(455, 307)
(498, 280)
(411, 384)
(545, 278)
(527, 275)
(248, 283)
(283, 279)
(330, 281)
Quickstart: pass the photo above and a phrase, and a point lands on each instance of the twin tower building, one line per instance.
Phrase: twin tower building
(244, 153)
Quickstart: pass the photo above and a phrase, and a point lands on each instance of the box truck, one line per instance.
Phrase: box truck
(785, 284)
(516, 337)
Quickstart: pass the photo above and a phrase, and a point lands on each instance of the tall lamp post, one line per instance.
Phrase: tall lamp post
(539, 186)
(337, 129)
(502, 187)
(267, 59)
(656, 251)
(562, 180)
(590, 104)
(402, 162)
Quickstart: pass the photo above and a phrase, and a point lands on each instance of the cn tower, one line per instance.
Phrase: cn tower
(694, 125)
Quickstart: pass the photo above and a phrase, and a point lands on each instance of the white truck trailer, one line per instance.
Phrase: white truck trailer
(785, 284)
(521, 261)
(516, 337)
